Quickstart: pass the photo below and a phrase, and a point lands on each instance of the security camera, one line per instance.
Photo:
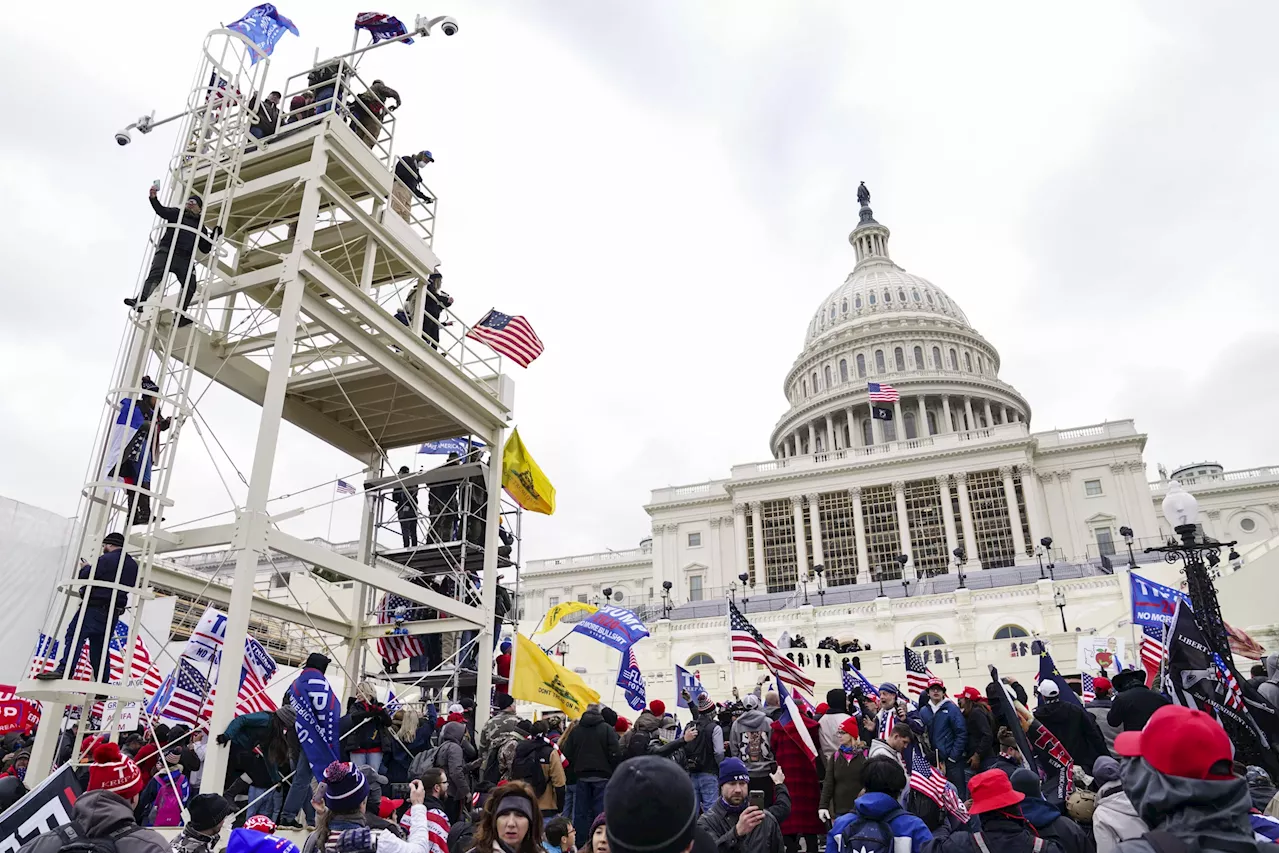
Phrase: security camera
(449, 26)
(123, 137)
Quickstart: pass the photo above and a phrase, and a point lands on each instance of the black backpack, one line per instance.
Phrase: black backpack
(528, 766)
(872, 836)
(75, 841)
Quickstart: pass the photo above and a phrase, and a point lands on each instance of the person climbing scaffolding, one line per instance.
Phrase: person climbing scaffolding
(185, 223)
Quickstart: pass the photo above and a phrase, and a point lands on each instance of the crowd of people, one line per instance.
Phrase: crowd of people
(936, 773)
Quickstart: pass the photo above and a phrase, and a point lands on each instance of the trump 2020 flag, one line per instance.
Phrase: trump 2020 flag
(524, 480)
(381, 26)
(264, 26)
(205, 643)
(317, 723)
(537, 678)
(631, 681)
(613, 626)
(686, 680)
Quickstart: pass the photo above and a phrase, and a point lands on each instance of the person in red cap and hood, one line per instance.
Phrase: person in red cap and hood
(1004, 829)
(979, 729)
(106, 810)
(1100, 707)
(1177, 774)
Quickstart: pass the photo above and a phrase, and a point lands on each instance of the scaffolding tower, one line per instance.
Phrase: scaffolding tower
(312, 303)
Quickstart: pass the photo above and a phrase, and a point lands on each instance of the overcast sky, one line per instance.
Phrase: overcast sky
(665, 188)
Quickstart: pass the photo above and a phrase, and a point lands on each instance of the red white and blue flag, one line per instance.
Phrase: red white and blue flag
(397, 647)
(792, 721)
(1086, 688)
(749, 646)
(1234, 699)
(345, 488)
(45, 658)
(918, 673)
(509, 335)
(879, 392)
(190, 690)
(631, 680)
(928, 781)
(382, 27)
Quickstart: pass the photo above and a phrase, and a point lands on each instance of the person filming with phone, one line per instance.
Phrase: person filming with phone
(738, 820)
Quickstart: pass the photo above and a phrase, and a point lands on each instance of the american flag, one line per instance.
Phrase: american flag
(255, 673)
(1086, 688)
(45, 658)
(1235, 699)
(852, 680)
(884, 722)
(749, 646)
(345, 488)
(878, 392)
(382, 26)
(933, 784)
(1152, 650)
(918, 674)
(190, 689)
(511, 336)
(397, 647)
(142, 667)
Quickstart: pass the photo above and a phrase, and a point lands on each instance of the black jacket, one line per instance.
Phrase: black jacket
(186, 239)
(641, 734)
(406, 501)
(592, 747)
(407, 172)
(110, 569)
(268, 115)
(1131, 709)
(765, 838)
(1077, 730)
(1051, 823)
(1002, 835)
(702, 752)
(981, 738)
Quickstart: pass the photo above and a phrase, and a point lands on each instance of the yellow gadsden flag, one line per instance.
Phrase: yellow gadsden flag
(561, 610)
(537, 678)
(524, 480)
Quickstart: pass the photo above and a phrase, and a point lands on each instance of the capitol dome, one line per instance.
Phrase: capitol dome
(885, 325)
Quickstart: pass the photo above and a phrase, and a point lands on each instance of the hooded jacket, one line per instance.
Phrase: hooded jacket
(592, 747)
(1075, 727)
(1114, 818)
(1100, 708)
(641, 733)
(948, 732)
(722, 824)
(875, 807)
(1270, 688)
(98, 813)
(1131, 708)
(449, 757)
(1211, 814)
(1051, 823)
(842, 782)
(1002, 834)
(749, 742)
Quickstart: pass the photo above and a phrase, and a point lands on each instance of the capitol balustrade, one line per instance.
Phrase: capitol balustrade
(1244, 476)
(599, 558)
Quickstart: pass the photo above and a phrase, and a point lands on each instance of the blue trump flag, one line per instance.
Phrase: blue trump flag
(444, 446)
(264, 26)
(1050, 671)
(631, 681)
(382, 26)
(616, 627)
(686, 680)
(317, 723)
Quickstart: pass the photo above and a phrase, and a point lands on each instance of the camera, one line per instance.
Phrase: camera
(449, 26)
(123, 137)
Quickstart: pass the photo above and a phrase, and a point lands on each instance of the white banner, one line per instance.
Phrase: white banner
(207, 639)
(128, 716)
(1098, 654)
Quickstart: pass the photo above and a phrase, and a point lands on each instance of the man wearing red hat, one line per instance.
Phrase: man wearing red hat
(980, 729)
(1004, 829)
(106, 811)
(1177, 773)
(948, 732)
(1100, 707)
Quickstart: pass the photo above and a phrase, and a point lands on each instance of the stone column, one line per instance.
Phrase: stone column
(966, 523)
(1015, 518)
(816, 529)
(904, 525)
(877, 426)
(802, 551)
(1123, 484)
(968, 411)
(717, 569)
(948, 514)
(947, 426)
(659, 556)
(1144, 525)
(813, 439)
(922, 418)
(831, 436)
(1072, 549)
(1213, 527)
(899, 425)
(986, 410)
(1004, 415)
(860, 536)
(740, 539)
(855, 434)
(760, 576)
(1035, 510)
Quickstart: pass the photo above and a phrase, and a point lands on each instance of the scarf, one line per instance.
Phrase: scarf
(847, 752)
(733, 810)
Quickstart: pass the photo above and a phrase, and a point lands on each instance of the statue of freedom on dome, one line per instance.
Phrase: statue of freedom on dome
(864, 194)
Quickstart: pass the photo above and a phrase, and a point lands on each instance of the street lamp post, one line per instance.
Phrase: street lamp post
(958, 553)
(902, 570)
(1060, 601)
(1127, 533)
(822, 588)
(607, 592)
(804, 585)
(666, 599)
(1047, 542)
(733, 589)
(1040, 560)
(743, 577)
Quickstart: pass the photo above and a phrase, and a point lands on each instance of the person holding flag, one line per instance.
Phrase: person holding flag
(1073, 726)
(316, 722)
(793, 740)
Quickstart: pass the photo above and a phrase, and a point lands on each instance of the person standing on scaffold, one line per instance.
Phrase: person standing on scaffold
(186, 224)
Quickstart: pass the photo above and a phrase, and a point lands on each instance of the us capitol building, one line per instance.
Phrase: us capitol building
(953, 527)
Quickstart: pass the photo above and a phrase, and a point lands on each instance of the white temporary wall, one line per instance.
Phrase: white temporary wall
(34, 543)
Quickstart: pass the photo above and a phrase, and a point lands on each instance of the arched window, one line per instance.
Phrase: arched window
(699, 659)
(804, 384)
(857, 303)
(844, 306)
(833, 310)
(928, 297)
(909, 424)
(968, 362)
(928, 639)
(879, 361)
(826, 376)
(932, 420)
(844, 370)
(899, 360)
(890, 431)
(902, 295)
(871, 298)
(915, 294)
(917, 356)
(815, 382)
(862, 365)
(867, 435)
(888, 298)
(1010, 632)
(937, 359)
(982, 365)
(954, 364)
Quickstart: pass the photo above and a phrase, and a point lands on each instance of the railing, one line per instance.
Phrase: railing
(1110, 429)
(1244, 475)
(671, 494)
(589, 559)
(419, 214)
(367, 114)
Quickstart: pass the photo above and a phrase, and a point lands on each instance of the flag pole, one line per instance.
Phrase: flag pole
(328, 534)
(733, 674)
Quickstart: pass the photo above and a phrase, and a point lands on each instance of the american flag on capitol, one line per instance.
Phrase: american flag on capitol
(878, 392)
(345, 488)
(918, 674)
(749, 646)
(509, 335)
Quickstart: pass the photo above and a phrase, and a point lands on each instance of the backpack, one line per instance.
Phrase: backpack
(1036, 846)
(167, 808)
(75, 841)
(422, 762)
(871, 836)
(527, 766)
(1167, 842)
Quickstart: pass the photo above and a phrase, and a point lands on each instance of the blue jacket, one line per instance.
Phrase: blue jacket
(948, 732)
(875, 807)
